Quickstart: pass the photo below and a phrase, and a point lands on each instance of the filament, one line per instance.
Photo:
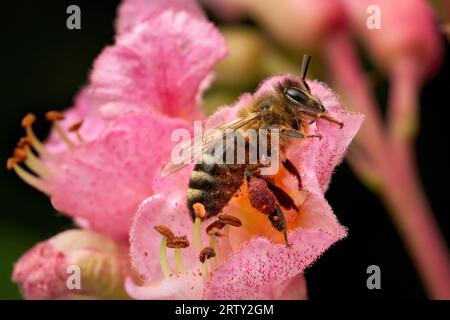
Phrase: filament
(63, 135)
(204, 270)
(30, 179)
(196, 235)
(36, 144)
(178, 260)
(36, 165)
(212, 244)
(163, 258)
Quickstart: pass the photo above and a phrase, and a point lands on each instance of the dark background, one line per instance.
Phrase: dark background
(43, 66)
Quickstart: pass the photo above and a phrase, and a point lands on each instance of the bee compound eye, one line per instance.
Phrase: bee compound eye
(296, 94)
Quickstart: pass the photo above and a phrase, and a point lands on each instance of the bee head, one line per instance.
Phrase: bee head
(304, 100)
(300, 96)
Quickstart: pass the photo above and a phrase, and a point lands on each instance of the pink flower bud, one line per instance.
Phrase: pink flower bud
(408, 30)
(303, 23)
(73, 264)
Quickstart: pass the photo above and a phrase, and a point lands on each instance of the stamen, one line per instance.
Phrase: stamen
(178, 242)
(27, 123)
(54, 117)
(230, 220)
(179, 260)
(214, 227)
(36, 165)
(28, 178)
(196, 235)
(200, 213)
(212, 244)
(204, 255)
(163, 258)
(76, 128)
(164, 231)
(199, 210)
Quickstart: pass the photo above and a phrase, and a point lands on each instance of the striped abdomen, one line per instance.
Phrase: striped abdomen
(213, 185)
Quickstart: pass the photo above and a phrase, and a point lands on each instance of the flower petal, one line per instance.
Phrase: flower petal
(260, 268)
(158, 65)
(132, 12)
(105, 180)
(186, 286)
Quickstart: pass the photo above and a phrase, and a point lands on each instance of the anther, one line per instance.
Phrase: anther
(76, 126)
(164, 231)
(230, 220)
(24, 142)
(20, 155)
(27, 123)
(206, 253)
(199, 210)
(214, 227)
(28, 120)
(10, 163)
(54, 116)
(76, 129)
(178, 242)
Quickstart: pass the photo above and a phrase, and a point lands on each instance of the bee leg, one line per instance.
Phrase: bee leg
(297, 134)
(289, 166)
(279, 222)
(265, 201)
(293, 133)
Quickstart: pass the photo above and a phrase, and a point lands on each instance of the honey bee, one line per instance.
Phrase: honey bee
(289, 109)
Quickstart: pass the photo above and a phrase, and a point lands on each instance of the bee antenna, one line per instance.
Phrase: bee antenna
(305, 65)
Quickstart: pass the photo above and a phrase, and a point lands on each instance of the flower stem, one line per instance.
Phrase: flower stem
(392, 156)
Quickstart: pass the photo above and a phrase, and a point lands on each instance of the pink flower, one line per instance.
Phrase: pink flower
(252, 261)
(72, 265)
(100, 160)
(101, 157)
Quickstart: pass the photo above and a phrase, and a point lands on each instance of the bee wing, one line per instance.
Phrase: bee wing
(194, 148)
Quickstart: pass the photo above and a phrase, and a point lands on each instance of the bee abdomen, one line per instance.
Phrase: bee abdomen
(213, 185)
(201, 180)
